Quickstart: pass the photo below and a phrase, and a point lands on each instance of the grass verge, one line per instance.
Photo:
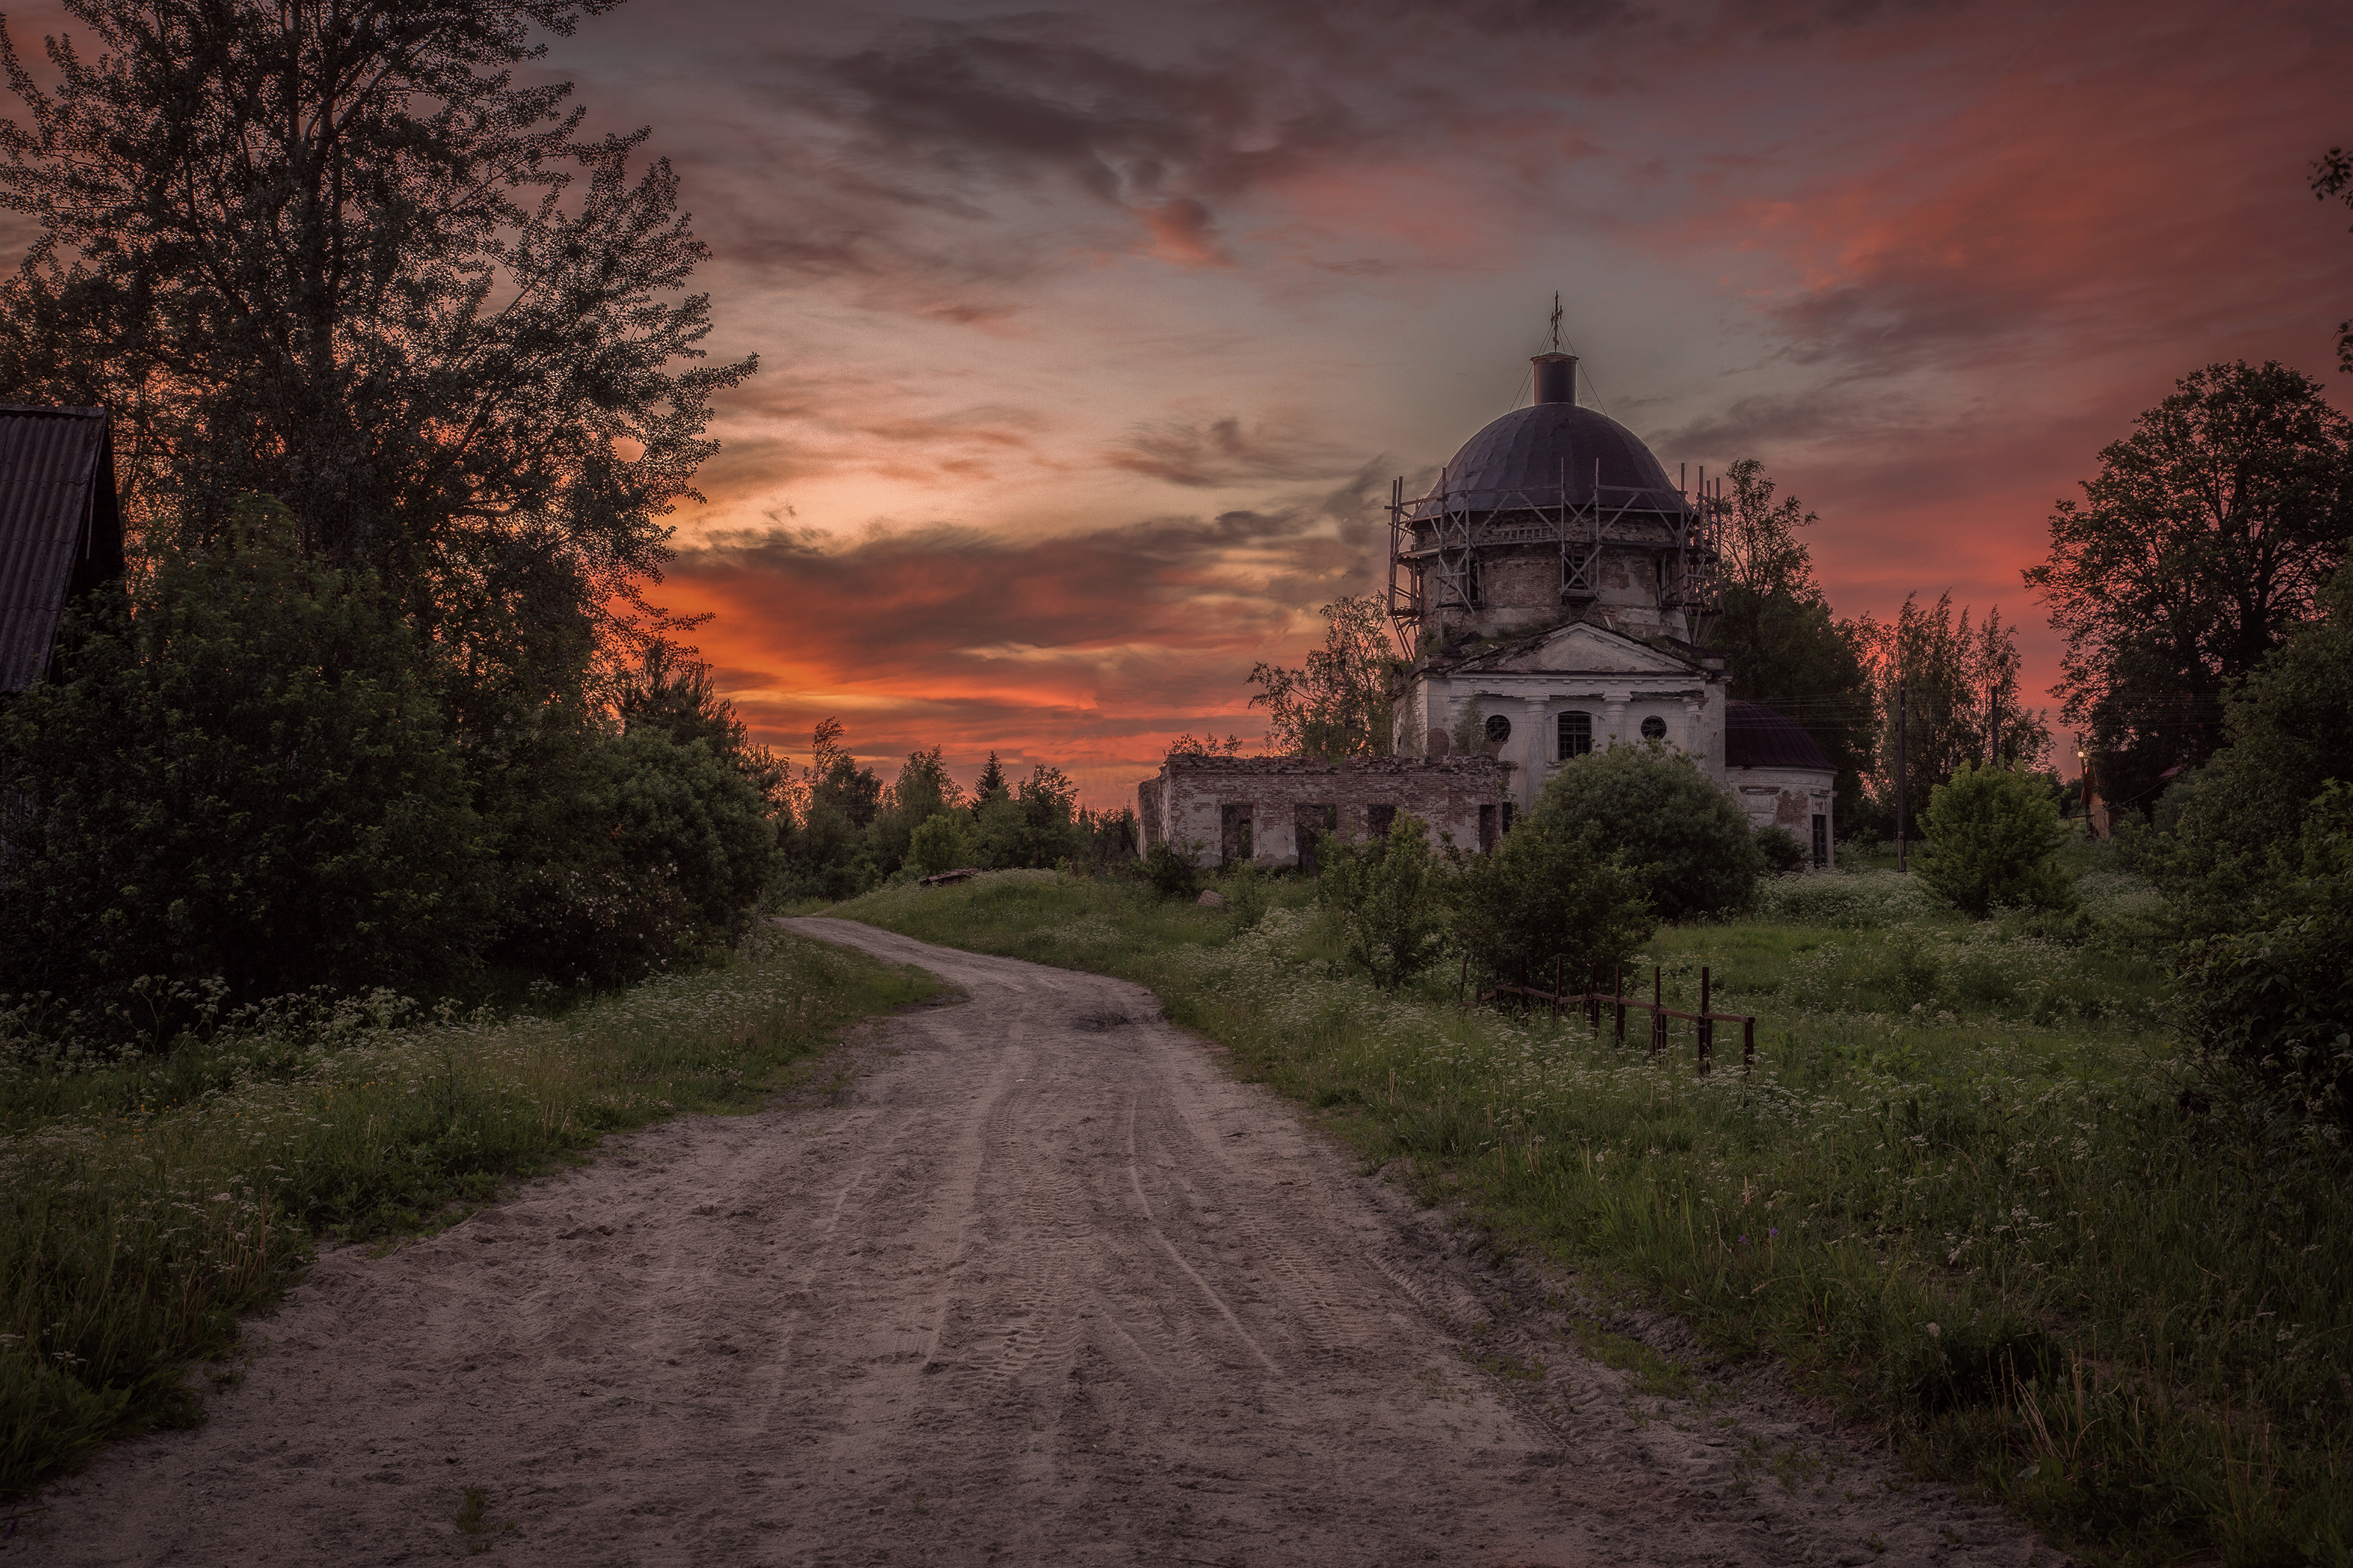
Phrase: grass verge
(146, 1204)
(1958, 1193)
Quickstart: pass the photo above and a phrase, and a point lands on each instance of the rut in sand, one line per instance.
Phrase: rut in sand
(1045, 1286)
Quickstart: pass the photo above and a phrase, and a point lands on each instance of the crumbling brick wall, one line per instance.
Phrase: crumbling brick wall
(1203, 801)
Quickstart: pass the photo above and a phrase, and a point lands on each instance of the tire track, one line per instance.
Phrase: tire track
(1049, 1288)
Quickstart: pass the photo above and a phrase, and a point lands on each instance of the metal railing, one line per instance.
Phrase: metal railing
(1594, 1000)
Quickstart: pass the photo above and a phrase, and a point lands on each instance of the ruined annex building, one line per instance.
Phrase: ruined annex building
(1555, 590)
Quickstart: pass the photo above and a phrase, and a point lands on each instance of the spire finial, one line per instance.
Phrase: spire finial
(1555, 321)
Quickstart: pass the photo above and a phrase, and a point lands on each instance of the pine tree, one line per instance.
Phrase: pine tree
(990, 785)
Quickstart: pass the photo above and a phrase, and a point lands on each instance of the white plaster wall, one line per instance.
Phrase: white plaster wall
(1787, 797)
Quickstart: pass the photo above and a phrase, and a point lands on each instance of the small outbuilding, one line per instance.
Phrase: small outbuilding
(60, 530)
(1780, 775)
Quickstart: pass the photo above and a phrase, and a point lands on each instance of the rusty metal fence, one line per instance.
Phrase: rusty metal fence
(1593, 999)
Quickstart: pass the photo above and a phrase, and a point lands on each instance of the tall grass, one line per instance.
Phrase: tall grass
(1973, 1212)
(145, 1204)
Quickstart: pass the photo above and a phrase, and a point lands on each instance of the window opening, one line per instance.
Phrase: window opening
(1309, 822)
(1655, 728)
(1822, 840)
(1234, 833)
(1499, 729)
(1576, 735)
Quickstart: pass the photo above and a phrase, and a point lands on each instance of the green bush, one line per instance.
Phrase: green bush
(1784, 852)
(2290, 729)
(2272, 1002)
(245, 777)
(653, 856)
(1246, 894)
(1992, 835)
(940, 844)
(1399, 917)
(1542, 900)
(1173, 870)
(1689, 840)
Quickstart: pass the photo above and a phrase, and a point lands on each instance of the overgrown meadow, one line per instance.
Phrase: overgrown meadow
(143, 1205)
(1960, 1191)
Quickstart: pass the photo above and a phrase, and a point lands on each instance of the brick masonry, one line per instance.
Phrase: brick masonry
(1206, 800)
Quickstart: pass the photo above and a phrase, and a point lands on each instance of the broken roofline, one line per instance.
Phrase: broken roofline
(1194, 763)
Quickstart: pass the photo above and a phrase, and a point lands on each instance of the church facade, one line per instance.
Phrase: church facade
(1555, 590)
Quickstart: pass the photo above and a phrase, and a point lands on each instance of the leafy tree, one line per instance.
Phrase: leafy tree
(923, 791)
(1992, 834)
(2289, 729)
(1689, 844)
(670, 691)
(1036, 826)
(1339, 703)
(836, 780)
(1544, 898)
(1959, 698)
(337, 254)
(1108, 838)
(939, 843)
(2332, 176)
(2194, 554)
(1397, 921)
(1780, 642)
(683, 814)
(244, 776)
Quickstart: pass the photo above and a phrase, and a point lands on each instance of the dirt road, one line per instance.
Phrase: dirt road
(1044, 1287)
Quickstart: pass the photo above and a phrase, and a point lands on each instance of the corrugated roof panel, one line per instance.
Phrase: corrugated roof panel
(49, 459)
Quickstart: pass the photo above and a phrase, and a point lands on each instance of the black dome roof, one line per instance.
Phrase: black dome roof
(1533, 449)
(1756, 736)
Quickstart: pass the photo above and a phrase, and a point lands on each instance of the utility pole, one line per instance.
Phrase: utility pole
(1900, 771)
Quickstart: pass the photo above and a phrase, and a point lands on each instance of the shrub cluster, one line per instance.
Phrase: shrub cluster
(256, 772)
(2255, 855)
(1688, 840)
(1992, 833)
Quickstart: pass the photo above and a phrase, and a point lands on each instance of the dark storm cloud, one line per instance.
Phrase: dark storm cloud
(964, 108)
(944, 603)
(1222, 451)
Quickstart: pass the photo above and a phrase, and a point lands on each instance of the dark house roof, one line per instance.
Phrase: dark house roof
(1525, 457)
(1757, 736)
(61, 532)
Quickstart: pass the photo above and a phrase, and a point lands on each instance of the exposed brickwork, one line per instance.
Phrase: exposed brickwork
(1200, 800)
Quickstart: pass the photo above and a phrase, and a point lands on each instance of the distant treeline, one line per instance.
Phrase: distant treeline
(844, 831)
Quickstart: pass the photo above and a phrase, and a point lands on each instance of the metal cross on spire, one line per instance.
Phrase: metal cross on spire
(1555, 321)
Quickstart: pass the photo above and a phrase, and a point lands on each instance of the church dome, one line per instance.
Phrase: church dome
(1524, 459)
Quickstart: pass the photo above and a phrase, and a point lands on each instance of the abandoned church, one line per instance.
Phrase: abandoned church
(1555, 590)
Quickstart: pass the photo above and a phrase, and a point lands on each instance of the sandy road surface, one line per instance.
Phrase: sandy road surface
(1045, 1287)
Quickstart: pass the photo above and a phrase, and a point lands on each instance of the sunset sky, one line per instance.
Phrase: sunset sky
(1090, 339)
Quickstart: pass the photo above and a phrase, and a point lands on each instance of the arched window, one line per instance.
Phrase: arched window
(1499, 729)
(1655, 728)
(1576, 734)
